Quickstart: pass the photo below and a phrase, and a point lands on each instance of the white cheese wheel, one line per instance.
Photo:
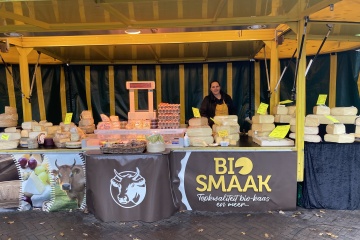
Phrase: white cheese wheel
(321, 110)
(347, 119)
(201, 121)
(226, 119)
(199, 131)
(231, 129)
(343, 111)
(10, 130)
(272, 142)
(263, 119)
(201, 141)
(312, 121)
(263, 127)
(280, 110)
(307, 130)
(340, 138)
(308, 137)
(337, 128)
(9, 144)
(11, 136)
(282, 118)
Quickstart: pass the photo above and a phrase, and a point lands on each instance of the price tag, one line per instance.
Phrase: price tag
(331, 118)
(223, 133)
(68, 118)
(262, 108)
(280, 131)
(196, 112)
(5, 136)
(285, 102)
(321, 99)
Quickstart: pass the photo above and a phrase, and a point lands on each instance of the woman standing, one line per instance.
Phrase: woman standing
(217, 103)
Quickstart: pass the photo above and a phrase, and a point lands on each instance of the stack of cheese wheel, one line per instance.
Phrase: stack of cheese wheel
(105, 123)
(199, 132)
(9, 139)
(260, 123)
(227, 129)
(336, 132)
(311, 129)
(346, 115)
(9, 118)
(320, 112)
(86, 122)
(283, 114)
(357, 127)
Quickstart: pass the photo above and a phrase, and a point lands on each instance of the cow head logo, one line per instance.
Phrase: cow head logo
(128, 188)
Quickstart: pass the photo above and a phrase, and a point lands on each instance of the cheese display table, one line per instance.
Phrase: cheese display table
(129, 187)
(332, 179)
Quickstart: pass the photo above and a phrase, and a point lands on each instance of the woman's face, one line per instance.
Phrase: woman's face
(215, 88)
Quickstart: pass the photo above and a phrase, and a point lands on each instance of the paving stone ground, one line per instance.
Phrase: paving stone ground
(301, 224)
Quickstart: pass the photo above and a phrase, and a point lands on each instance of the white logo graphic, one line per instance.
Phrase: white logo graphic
(128, 188)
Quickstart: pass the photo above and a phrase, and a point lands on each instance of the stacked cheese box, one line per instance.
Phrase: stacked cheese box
(9, 118)
(86, 122)
(229, 125)
(262, 125)
(283, 114)
(311, 129)
(199, 132)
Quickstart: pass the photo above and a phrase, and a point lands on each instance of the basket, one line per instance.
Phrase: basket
(130, 147)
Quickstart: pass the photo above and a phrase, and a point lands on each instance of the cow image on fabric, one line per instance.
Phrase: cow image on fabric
(71, 179)
(128, 188)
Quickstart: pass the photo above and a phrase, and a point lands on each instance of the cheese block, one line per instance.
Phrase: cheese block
(346, 119)
(201, 141)
(263, 119)
(86, 122)
(337, 128)
(226, 120)
(258, 133)
(104, 118)
(37, 128)
(263, 127)
(308, 137)
(291, 110)
(292, 121)
(321, 110)
(357, 131)
(51, 130)
(340, 138)
(73, 144)
(29, 125)
(343, 111)
(33, 185)
(36, 134)
(10, 130)
(307, 130)
(282, 118)
(357, 121)
(199, 131)
(272, 142)
(24, 133)
(10, 110)
(86, 114)
(9, 144)
(312, 121)
(201, 121)
(230, 137)
(114, 118)
(280, 109)
(10, 136)
(47, 124)
(231, 129)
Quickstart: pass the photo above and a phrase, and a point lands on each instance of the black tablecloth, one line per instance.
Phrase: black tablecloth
(129, 187)
(332, 176)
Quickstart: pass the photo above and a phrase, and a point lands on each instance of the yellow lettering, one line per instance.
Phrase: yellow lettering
(231, 166)
(199, 181)
(220, 163)
(250, 183)
(234, 183)
(212, 182)
(264, 183)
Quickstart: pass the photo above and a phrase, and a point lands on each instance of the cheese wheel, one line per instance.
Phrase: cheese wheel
(357, 121)
(312, 121)
(263, 119)
(308, 137)
(86, 114)
(343, 111)
(10, 130)
(86, 122)
(321, 110)
(226, 119)
(201, 141)
(280, 110)
(307, 130)
(10, 136)
(29, 125)
(199, 131)
(337, 128)
(263, 127)
(291, 110)
(339, 138)
(201, 121)
(282, 118)
(231, 129)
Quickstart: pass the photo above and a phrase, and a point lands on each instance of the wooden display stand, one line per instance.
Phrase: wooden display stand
(141, 114)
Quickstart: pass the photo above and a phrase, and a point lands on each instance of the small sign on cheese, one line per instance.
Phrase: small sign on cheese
(196, 112)
(68, 118)
(321, 99)
(262, 108)
(280, 131)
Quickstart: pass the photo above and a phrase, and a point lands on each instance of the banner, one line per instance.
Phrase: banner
(234, 181)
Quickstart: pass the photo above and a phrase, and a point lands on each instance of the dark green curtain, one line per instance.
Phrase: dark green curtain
(264, 94)
(218, 71)
(122, 73)
(145, 73)
(100, 102)
(193, 88)
(4, 96)
(348, 68)
(170, 83)
(35, 111)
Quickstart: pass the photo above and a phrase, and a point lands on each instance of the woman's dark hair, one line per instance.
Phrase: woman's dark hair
(213, 82)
